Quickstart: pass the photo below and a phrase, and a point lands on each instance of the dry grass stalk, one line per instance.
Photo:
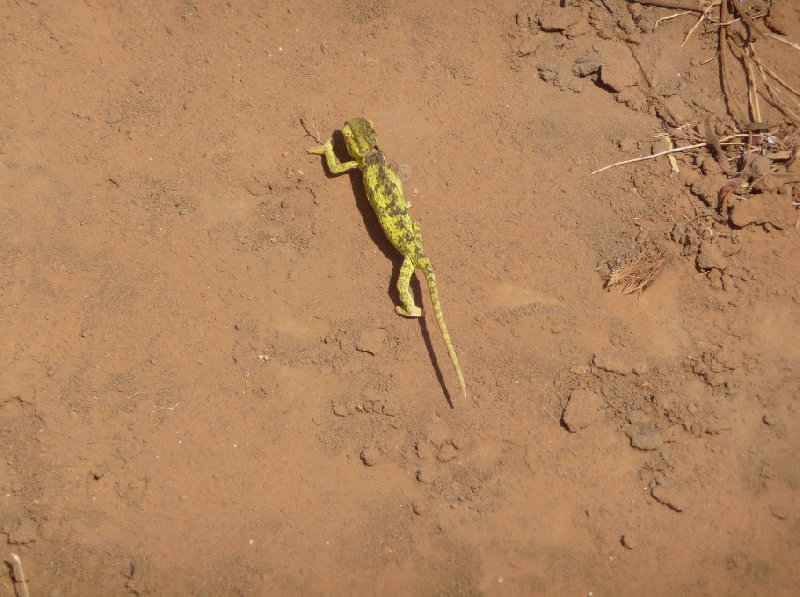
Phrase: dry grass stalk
(666, 152)
(707, 8)
(687, 5)
(670, 17)
(20, 583)
(752, 93)
(771, 72)
(673, 163)
(748, 58)
(639, 273)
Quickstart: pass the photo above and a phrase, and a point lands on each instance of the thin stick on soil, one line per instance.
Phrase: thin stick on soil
(746, 56)
(701, 18)
(776, 101)
(315, 136)
(771, 73)
(760, 29)
(674, 4)
(752, 92)
(670, 17)
(723, 65)
(649, 157)
(20, 584)
(665, 152)
(670, 145)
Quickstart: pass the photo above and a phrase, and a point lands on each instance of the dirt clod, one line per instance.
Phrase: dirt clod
(619, 75)
(371, 456)
(710, 257)
(446, 453)
(611, 363)
(583, 409)
(669, 497)
(765, 208)
(340, 410)
(646, 437)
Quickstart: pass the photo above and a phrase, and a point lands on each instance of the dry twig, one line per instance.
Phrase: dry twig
(771, 73)
(674, 4)
(20, 583)
(673, 163)
(705, 15)
(760, 29)
(746, 55)
(670, 17)
(316, 135)
(723, 65)
(665, 152)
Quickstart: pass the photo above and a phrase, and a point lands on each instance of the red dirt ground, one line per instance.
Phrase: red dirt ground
(205, 389)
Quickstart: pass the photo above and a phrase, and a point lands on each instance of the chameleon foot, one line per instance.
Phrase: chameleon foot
(412, 312)
(321, 149)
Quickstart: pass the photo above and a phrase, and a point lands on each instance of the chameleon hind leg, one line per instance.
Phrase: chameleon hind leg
(409, 309)
(333, 164)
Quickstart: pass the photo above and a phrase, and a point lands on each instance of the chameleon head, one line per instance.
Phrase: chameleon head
(360, 137)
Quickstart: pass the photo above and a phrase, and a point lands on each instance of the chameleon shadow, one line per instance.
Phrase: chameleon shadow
(426, 336)
(377, 236)
(368, 217)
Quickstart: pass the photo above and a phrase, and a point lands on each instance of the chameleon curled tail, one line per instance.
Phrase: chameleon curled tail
(425, 266)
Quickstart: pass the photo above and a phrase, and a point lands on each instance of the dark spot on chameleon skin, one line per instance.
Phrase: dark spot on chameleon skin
(383, 176)
(374, 159)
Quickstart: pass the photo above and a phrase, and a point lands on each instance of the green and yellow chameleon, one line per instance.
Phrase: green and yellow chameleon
(385, 192)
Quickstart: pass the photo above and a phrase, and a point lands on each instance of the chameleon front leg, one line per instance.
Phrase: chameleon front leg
(333, 165)
(409, 309)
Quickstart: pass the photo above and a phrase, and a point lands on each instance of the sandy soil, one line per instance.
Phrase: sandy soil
(205, 389)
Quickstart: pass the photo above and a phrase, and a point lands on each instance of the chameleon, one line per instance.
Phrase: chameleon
(385, 193)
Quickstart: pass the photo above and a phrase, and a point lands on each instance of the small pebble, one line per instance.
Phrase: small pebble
(582, 410)
(628, 542)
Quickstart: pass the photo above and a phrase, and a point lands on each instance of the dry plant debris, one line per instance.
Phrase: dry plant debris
(756, 156)
(639, 272)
